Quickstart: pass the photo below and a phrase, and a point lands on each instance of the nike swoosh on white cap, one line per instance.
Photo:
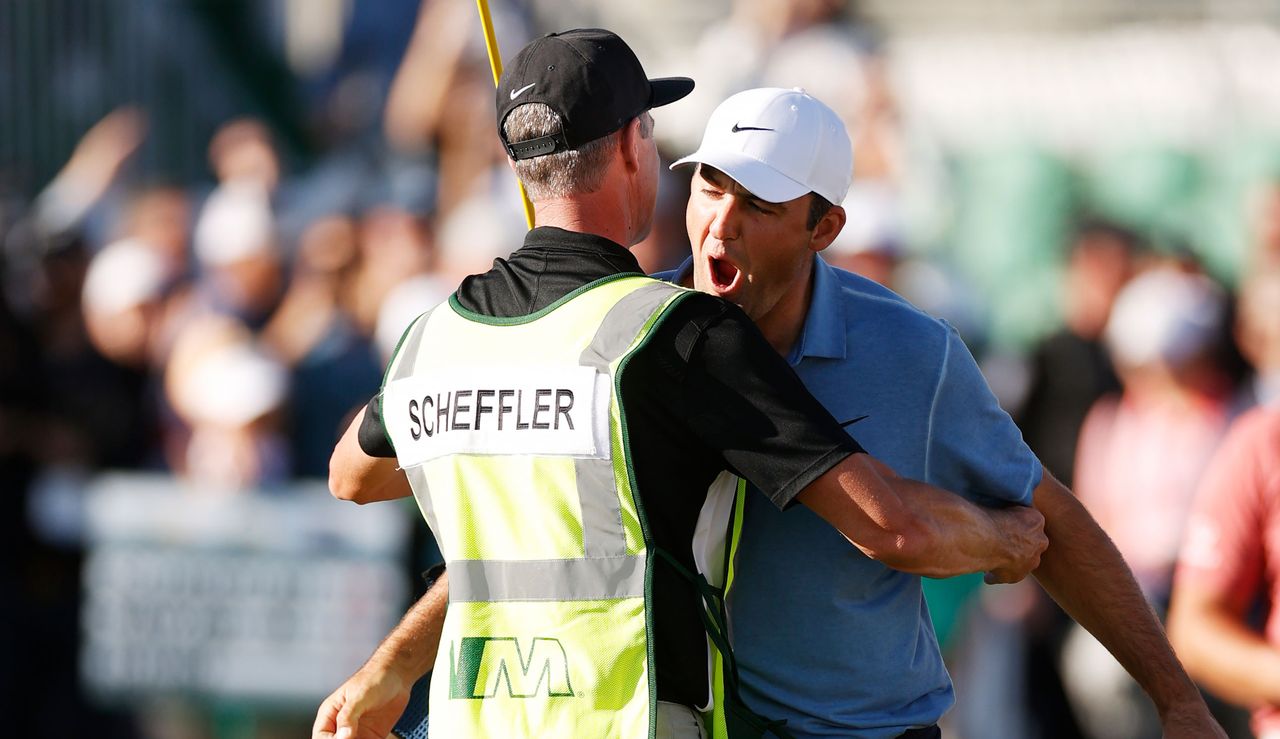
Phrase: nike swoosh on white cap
(517, 93)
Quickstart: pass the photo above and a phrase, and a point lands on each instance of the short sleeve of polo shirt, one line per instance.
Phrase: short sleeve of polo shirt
(738, 396)
(974, 448)
(371, 434)
(1223, 551)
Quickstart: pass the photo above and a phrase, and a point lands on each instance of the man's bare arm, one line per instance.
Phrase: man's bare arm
(1085, 574)
(370, 702)
(918, 528)
(356, 476)
(1219, 650)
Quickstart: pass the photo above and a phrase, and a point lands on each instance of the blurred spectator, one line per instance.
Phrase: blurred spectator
(91, 171)
(405, 302)
(667, 244)
(130, 280)
(1257, 333)
(332, 364)
(160, 216)
(1139, 458)
(242, 151)
(235, 243)
(1141, 454)
(1071, 369)
(872, 241)
(394, 245)
(442, 96)
(122, 301)
(750, 35)
(1225, 574)
(1264, 222)
(231, 396)
(65, 411)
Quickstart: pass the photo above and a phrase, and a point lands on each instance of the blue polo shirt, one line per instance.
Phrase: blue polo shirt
(857, 655)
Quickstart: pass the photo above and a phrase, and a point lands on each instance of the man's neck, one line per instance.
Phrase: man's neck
(784, 323)
(600, 213)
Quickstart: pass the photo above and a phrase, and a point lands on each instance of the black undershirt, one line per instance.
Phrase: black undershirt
(705, 394)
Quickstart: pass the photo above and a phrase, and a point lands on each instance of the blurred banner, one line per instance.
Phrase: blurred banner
(270, 598)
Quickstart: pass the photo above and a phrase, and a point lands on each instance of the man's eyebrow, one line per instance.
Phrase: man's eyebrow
(713, 176)
(725, 182)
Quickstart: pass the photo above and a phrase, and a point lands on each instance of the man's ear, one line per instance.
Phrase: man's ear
(828, 228)
(630, 141)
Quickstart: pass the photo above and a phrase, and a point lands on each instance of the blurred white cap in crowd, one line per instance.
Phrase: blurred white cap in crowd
(232, 385)
(1164, 316)
(235, 224)
(403, 303)
(477, 231)
(873, 221)
(125, 274)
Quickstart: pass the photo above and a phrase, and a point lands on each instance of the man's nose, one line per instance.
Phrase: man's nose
(724, 224)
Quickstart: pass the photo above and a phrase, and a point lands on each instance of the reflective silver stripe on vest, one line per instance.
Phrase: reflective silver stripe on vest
(421, 491)
(406, 357)
(598, 578)
(621, 324)
(407, 352)
(602, 532)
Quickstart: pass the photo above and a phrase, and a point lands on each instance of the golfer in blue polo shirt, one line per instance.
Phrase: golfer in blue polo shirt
(858, 656)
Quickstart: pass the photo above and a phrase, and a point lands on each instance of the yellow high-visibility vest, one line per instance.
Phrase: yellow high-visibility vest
(715, 549)
(514, 438)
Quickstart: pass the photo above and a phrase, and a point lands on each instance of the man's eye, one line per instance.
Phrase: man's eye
(711, 193)
(759, 208)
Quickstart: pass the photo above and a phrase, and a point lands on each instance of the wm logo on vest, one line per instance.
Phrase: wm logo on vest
(497, 666)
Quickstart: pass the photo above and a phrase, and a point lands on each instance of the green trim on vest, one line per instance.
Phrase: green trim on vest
(644, 521)
(730, 717)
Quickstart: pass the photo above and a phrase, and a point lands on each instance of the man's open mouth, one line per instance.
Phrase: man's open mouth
(724, 274)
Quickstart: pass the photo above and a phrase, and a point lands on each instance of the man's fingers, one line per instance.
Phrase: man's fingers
(326, 719)
(348, 720)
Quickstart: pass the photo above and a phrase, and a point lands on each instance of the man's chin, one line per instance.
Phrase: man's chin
(731, 293)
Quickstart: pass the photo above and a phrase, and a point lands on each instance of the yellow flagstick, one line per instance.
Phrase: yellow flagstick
(495, 64)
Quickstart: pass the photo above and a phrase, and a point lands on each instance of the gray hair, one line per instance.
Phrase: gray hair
(564, 173)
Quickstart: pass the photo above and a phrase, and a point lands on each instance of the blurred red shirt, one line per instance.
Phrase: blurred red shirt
(1232, 548)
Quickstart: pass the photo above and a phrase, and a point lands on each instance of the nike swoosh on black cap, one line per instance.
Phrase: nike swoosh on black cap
(591, 78)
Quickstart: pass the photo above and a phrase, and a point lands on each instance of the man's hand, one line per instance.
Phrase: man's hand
(366, 706)
(370, 702)
(1191, 721)
(1023, 531)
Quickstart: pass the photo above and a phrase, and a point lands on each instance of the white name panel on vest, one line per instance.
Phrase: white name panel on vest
(561, 411)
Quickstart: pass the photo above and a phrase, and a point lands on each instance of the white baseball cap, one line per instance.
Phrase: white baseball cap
(779, 144)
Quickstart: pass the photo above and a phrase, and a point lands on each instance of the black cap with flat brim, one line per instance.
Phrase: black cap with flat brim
(590, 78)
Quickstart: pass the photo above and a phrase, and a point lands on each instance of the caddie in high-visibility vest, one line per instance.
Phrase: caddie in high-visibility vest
(561, 420)
(548, 558)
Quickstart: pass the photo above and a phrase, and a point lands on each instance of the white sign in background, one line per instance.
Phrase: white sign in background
(263, 597)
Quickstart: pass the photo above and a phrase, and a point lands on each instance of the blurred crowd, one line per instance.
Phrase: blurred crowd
(224, 330)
